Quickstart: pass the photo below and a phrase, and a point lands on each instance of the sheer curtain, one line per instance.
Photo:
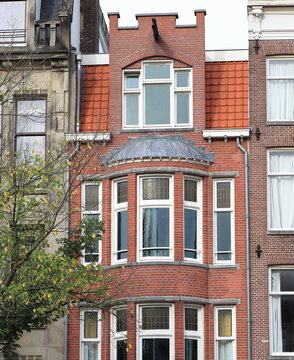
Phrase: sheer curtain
(225, 350)
(276, 314)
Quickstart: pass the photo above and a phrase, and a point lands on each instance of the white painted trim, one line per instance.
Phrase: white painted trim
(199, 334)
(95, 59)
(231, 338)
(83, 137)
(90, 340)
(225, 133)
(226, 55)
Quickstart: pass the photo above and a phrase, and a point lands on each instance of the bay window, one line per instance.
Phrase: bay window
(119, 334)
(157, 96)
(225, 333)
(90, 335)
(193, 333)
(281, 189)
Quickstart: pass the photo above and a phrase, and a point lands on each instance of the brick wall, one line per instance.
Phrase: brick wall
(89, 26)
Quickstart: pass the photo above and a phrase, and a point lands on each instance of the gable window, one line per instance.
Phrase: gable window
(225, 333)
(193, 333)
(223, 221)
(280, 97)
(155, 218)
(120, 220)
(119, 334)
(281, 189)
(91, 209)
(192, 218)
(282, 311)
(30, 127)
(157, 96)
(12, 22)
(90, 335)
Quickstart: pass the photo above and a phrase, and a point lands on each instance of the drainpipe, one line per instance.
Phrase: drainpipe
(78, 109)
(248, 289)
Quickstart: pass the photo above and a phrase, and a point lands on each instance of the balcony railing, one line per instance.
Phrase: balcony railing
(12, 36)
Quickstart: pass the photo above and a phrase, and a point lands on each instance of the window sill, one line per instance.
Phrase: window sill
(158, 130)
(281, 357)
(282, 122)
(280, 232)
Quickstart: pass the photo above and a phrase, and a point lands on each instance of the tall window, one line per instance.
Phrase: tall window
(157, 96)
(90, 335)
(155, 334)
(13, 22)
(281, 189)
(280, 74)
(223, 221)
(282, 311)
(192, 218)
(91, 209)
(119, 334)
(193, 333)
(30, 127)
(120, 220)
(155, 219)
(225, 333)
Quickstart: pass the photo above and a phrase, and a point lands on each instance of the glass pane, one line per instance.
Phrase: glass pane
(155, 349)
(281, 105)
(91, 197)
(190, 229)
(156, 231)
(182, 79)
(281, 162)
(122, 192)
(90, 324)
(224, 323)
(30, 146)
(223, 195)
(223, 231)
(12, 21)
(191, 349)
(157, 104)
(122, 233)
(281, 68)
(131, 82)
(121, 350)
(191, 190)
(225, 350)
(90, 350)
(157, 71)
(283, 280)
(191, 319)
(31, 116)
(155, 318)
(121, 320)
(132, 109)
(156, 189)
(287, 318)
(183, 108)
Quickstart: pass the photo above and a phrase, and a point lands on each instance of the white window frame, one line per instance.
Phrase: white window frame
(199, 334)
(156, 333)
(155, 204)
(173, 91)
(116, 207)
(98, 212)
(84, 340)
(225, 338)
(277, 293)
(268, 61)
(197, 206)
(232, 212)
(115, 335)
(271, 175)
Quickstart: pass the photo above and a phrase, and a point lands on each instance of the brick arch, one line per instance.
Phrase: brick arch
(155, 51)
(285, 48)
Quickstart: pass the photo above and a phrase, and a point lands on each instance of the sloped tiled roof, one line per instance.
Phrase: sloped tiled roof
(49, 9)
(226, 85)
(95, 99)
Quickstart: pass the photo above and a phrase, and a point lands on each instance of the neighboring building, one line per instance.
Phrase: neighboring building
(271, 74)
(168, 178)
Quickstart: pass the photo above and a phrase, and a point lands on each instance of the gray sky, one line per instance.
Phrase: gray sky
(226, 20)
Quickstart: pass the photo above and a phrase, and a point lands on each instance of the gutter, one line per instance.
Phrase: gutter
(248, 289)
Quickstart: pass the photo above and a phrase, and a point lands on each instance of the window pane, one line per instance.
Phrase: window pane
(155, 349)
(281, 104)
(282, 280)
(281, 162)
(157, 71)
(132, 109)
(223, 195)
(90, 324)
(225, 350)
(156, 231)
(224, 235)
(155, 318)
(191, 319)
(183, 108)
(182, 79)
(31, 116)
(30, 146)
(190, 231)
(281, 68)
(122, 192)
(92, 251)
(122, 234)
(121, 350)
(224, 323)
(12, 21)
(287, 317)
(131, 82)
(90, 350)
(91, 197)
(157, 104)
(191, 349)
(156, 189)
(121, 320)
(191, 190)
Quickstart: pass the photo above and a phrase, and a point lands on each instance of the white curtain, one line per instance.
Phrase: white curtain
(276, 314)
(225, 350)
(90, 351)
(282, 190)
